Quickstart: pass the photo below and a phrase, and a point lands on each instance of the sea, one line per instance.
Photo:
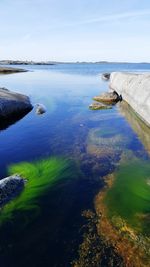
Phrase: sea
(64, 155)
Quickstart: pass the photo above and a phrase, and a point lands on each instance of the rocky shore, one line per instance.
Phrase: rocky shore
(26, 62)
(13, 107)
(12, 103)
(135, 90)
(105, 101)
(9, 70)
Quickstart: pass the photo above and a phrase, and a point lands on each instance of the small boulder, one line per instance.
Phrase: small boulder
(98, 106)
(108, 97)
(40, 109)
(105, 76)
(10, 187)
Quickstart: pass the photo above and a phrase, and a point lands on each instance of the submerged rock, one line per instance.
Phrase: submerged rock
(105, 76)
(12, 104)
(107, 97)
(10, 187)
(40, 109)
(97, 106)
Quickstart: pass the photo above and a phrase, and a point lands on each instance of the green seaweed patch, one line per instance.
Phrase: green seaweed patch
(41, 176)
(129, 196)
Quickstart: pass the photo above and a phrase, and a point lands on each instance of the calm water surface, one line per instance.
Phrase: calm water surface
(69, 149)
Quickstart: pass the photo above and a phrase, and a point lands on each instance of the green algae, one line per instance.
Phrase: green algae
(129, 196)
(40, 177)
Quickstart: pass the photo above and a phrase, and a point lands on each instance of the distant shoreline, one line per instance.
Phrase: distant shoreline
(24, 62)
(20, 62)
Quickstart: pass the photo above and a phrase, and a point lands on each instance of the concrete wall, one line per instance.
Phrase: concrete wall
(135, 90)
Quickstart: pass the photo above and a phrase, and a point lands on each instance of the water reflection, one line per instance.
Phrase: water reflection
(124, 205)
(46, 226)
(142, 130)
(6, 122)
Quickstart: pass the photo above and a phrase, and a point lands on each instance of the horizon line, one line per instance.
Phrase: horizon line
(76, 61)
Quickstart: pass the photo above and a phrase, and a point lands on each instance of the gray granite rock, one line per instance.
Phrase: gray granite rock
(107, 97)
(40, 109)
(12, 103)
(135, 90)
(10, 187)
(105, 76)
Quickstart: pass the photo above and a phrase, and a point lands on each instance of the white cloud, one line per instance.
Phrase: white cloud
(109, 18)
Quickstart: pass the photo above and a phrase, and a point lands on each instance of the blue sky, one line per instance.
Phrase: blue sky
(75, 30)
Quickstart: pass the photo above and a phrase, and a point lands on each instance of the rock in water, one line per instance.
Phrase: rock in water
(135, 90)
(12, 104)
(10, 187)
(9, 70)
(4, 88)
(105, 76)
(40, 109)
(97, 106)
(108, 97)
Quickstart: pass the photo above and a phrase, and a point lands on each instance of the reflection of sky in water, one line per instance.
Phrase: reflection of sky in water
(66, 97)
(90, 69)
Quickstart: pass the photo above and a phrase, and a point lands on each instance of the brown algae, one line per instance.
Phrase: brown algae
(124, 206)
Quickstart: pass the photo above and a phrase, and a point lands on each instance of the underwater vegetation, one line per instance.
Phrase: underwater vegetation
(107, 137)
(107, 142)
(124, 207)
(94, 248)
(41, 176)
(129, 195)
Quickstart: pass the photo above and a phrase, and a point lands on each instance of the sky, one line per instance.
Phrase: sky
(75, 30)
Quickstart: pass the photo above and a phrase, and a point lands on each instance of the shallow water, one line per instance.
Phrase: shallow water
(86, 145)
(129, 197)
